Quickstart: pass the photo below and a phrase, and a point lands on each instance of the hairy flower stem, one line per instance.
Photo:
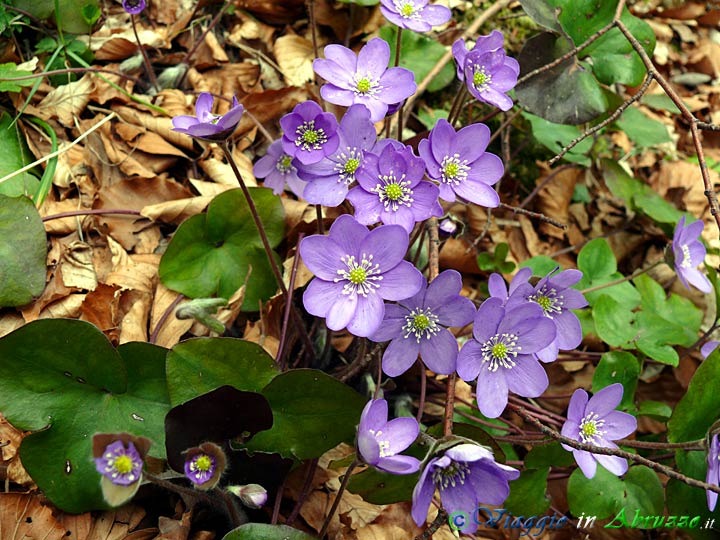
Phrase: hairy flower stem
(635, 274)
(338, 496)
(297, 320)
(398, 46)
(146, 59)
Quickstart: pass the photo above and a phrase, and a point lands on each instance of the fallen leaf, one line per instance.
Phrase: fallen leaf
(295, 56)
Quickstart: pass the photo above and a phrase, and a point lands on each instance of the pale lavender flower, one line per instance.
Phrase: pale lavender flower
(277, 168)
(596, 422)
(379, 442)
(713, 472)
(391, 189)
(364, 78)
(133, 7)
(418, 325)
(487, 71)
(501, 355)
(554, 295)
(328, 179)
(355, 271)
(208, 126)
(415, 15)
(459, 163)
(466, 476)
(707, 348)
(309, 134)
(688, 253)
(120, 463)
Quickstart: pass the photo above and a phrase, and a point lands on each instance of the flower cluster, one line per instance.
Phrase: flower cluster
(487, 71)
(595, 421)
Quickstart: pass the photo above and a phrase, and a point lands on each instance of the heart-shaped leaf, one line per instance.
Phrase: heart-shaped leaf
(65, 381)
(211, 253)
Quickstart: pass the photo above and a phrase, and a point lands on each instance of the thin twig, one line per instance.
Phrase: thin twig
(286, 312)
(438, 522)
(146, 58)
(166, 314)
(338, 496)
(616, 114)
(312, 466)
(92, 212)
(534, 215)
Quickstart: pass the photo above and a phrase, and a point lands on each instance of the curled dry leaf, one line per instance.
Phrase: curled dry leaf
(295, 56)
(66, 102)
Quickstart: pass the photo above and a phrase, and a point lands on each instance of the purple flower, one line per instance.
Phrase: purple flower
(596, 422)
(458, 161)
(120, 464)
(414, 15)
(391, 190)
(309, 134)
(208, 126)
(379, 442)
(133, 7)
(707, 349)
(200, 468)
(487, 71)
(466, 476)
(419, 325)
(364, 78)
(688, 253)
(328, 179)
(277, 169)
(356, 270)
(204, 465)
(501, 354)
(554, 295)
(713, 472)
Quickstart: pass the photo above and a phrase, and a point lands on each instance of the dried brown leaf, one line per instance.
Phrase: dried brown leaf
(295, 56)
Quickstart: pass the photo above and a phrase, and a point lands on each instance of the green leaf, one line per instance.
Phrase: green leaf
(613, 324)
(313, 413)
(419, 54)
(655, 409)
(197, 366)
(378, 487)
(541, 265)
(661, 102)
(555, 136)
(548, 455)
(63, 380)
(699, 407)
(542, 13)
(263, 531)
(643, 492)
(10, 71)
(565, 94)
(684, 500)
(600, 496)
(211, 253)
(528, 493)
(23, 251)
(90, 13)
(643, 130)
(596, 260)
(618, 367)
(14, 155)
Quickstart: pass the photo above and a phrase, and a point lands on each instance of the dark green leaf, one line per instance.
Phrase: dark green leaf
(600, 496)
(23, 251)
(63, 380)
(643, 130)
(699, 407)
(211, 253)
(565, 94)
(528, 493)
(548, 455)
(542, 12)
(197, 366)
(313, 412)
(613, 324)
(643, 492)
(618, 367)
(377, 487)
(14, 155)
(655, 409)
(263, 531)
(684, 500)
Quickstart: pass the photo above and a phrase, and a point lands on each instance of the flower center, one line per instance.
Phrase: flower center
(347, 163)
(452, 170)
(202, 463)
(549, 300)
(590, 428)
(500, 351)
(366, 86)
(384, 444)
(394, 192)
(407, 10)
(481, 78)
(123, 464)
(687, 261)
(309, 138)
(361, 278)
(421, 322)
(284, 164)
(451, 476)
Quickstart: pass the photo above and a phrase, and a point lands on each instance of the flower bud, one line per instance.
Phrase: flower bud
(251, 495)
